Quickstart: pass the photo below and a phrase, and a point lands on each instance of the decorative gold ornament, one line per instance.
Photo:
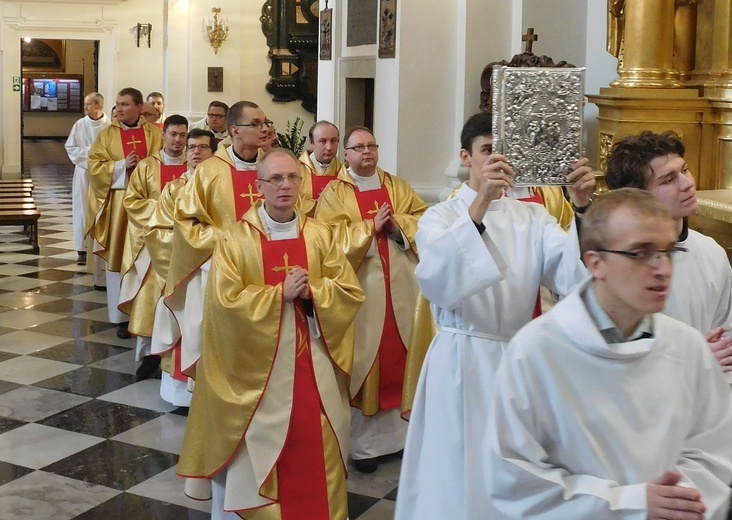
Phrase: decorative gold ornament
(215, 31)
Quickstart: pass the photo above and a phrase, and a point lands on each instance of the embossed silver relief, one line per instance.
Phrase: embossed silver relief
(537, 121)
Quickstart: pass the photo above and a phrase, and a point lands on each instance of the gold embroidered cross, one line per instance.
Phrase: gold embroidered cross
(375, 210)
(251, 195)
(134, 143)
(287, 267)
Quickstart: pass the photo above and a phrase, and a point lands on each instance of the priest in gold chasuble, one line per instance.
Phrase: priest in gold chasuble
(139, 291)
(114, 155)
(320, 166)
(269, 419)
(158, 236)
(374, 217)
(220, 191)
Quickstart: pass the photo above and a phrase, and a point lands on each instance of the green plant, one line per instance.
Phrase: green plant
(293, 139)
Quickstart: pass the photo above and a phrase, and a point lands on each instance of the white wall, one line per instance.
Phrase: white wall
(176, 64)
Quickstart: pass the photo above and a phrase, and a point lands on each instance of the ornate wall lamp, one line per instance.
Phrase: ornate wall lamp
(141, 31)
(215, 31)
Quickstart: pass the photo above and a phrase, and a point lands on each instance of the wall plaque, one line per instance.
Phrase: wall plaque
(363, 16)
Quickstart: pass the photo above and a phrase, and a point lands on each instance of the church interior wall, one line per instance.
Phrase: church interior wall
(175, 64)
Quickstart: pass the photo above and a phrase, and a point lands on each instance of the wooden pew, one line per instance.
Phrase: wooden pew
(23, 217)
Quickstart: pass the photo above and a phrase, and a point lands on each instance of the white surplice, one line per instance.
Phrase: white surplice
(77, 145)
(482, 290)
(579, 426)
(701, 288)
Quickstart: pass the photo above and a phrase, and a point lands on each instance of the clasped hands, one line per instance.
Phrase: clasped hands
(131, 161)
(384, 219)
(296, 285)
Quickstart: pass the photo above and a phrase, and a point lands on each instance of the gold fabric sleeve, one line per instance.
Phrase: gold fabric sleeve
(423, 330)
(203, 210)
(557, 205)
(140, 200)
(158, 232)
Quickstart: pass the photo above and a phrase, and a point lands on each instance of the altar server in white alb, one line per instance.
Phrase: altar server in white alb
(482, 259)
(82, 136)
(701, 291)
(605, 408)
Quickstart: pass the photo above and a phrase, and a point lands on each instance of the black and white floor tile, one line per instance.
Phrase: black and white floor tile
(79, 438)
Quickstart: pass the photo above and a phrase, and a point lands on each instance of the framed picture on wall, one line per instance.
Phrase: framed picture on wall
(326, 33)
(216, 79)
(387, 28)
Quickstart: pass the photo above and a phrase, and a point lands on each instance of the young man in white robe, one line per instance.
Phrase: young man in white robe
(80, 139)
(482, 258)
(701, 292)
(605, 408)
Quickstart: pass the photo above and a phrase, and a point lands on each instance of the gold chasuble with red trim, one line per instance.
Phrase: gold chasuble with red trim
(301, 480)
(169, 172)
(320, 182)
(245, 190)
(133, 140)
(392, 352)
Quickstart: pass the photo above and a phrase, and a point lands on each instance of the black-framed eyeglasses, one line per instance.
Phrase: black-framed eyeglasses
(202, 147)
(650, 256)
(361, 147)
(279, 180)
(257, 124)
(216, 115)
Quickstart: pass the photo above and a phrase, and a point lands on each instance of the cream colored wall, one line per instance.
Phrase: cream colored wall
(176, 64)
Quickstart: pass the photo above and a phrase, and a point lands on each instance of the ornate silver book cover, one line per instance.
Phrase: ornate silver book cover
(537, 121)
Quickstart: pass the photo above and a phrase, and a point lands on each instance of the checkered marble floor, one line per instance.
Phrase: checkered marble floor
(79, 438)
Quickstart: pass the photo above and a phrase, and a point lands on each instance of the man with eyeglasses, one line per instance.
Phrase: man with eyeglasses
(604, 407)
(158, 237)
(150, 113)
(269, 416)
(220, 191)
(138, 291)
(701, 292)
(375, 216)
(482, 258)
(115, 153)
(319, 166)
(215, 120)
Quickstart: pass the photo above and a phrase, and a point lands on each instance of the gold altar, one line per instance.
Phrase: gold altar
(675, 73)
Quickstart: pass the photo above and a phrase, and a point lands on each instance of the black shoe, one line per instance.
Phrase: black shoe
(100, 288)
(122, 332)
(366, 465)
(81, 258)
(148, 367)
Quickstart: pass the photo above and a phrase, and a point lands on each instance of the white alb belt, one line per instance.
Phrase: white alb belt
(475, 334)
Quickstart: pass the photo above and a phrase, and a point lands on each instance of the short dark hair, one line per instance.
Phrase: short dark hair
(321, 123)
(196, 133)
(175, 119)
(135, 94)
(628, 165)
(219, 104)
(155, 94)
(236, 110)
(595, 233)
(478, 125)
(350, 131)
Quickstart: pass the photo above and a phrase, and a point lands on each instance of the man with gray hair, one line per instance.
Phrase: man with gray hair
(80, 139)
